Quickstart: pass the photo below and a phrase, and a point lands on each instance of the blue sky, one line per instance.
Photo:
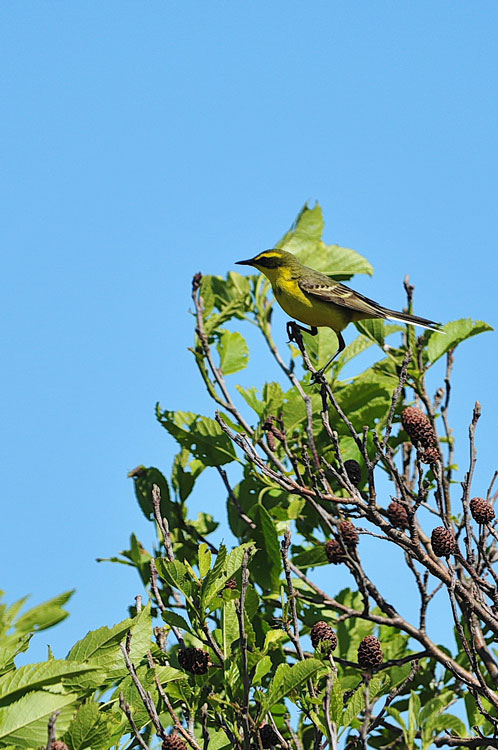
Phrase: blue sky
(142, 142)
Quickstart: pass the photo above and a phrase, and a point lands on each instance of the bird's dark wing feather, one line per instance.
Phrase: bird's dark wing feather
(340, 295)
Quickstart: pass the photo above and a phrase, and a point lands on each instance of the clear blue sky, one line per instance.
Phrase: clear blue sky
(144, 141)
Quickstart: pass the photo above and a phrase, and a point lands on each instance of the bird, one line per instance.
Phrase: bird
(313, 298)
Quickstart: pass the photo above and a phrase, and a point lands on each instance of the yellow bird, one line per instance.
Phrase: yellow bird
(317, 300)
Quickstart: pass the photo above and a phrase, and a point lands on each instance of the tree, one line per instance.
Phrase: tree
(253, 650)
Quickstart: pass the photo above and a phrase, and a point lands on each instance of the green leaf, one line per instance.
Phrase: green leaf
(230, 627)
(202, 436)
(305, 233)
(44, 615)
(413, 713)
(183, 481)
(354, 705)
(176, 574)
(449, 722)
(396, 716)
(204, 554)
(233, 351)
(373, 330)
(266, 563)
(89, 729)
(173, 618)
(24, 722)
(36, 676)
(144, 480)
(311, 557)
(250, 397)
(101, 646)
(336, 702)
(287, 679)
(218, 740)
(262, 668)
(456, 331)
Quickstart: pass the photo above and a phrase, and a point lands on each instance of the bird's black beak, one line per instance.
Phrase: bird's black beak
(249, 262)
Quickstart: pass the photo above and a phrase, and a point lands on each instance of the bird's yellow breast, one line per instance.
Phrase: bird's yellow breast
(306, 308)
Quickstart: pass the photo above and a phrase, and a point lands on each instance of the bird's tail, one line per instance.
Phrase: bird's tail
(413, 320)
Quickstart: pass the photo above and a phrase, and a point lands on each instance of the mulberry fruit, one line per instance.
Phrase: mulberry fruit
(268, 736)
(174, 742)
(349, 534)
(370, 653)
(418, 426)
(482, 511)
(321, 632)
(443, 542)
(194, 660)
(353, 470)
(334, 552)
(397, 515)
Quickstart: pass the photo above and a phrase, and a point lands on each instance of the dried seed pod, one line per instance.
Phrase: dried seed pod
(334, 552)
(482, 511)
(418, 426)
(322, 632)
(443, 541)
(349, 534)
(370, 653)
(174, 742)
(268, 736)
(353, 470)
(194, 660)
(397, 515)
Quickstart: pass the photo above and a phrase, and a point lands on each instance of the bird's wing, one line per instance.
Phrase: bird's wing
(338, 294)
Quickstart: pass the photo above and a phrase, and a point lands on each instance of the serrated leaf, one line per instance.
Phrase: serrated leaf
(89, 729)
(176, 574)
(233, 352)
(24, 722)
(35, 676)
(456, 331)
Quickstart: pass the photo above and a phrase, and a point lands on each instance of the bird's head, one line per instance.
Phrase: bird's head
(270, 262)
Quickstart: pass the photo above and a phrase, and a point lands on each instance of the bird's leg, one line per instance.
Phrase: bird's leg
(318, 374)
(293, 329)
